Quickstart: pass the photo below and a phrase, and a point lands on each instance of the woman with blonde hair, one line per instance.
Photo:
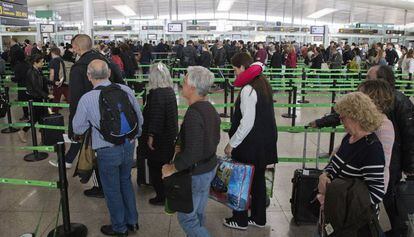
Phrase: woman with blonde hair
(360, 155)
(159, 130)
(380, 59)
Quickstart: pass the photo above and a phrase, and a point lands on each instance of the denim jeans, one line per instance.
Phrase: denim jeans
(115, 165)
(193, 223)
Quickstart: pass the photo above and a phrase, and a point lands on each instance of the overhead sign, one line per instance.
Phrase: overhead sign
(20, 2)
(68, 28)
(21, 29)
(201, 28)
(395, 32)
(112, 28)
(44, 14)
(152, 27)
(47, 28)
(358, 31)
(13, 10)
(278, 29)
(317, 30)
(243, 28)
(175, 27)
(13, 21)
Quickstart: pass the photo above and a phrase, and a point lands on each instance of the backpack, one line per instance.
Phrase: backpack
(119, 120)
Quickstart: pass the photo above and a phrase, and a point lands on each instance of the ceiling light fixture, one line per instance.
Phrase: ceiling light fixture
(321, 13)
(125, 10)
(225, 5)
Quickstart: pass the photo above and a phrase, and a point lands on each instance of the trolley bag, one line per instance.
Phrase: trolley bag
(51, 137)
(405, 195)
(304, 183)
(232, 183)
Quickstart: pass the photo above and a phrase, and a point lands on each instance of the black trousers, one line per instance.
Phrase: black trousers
(156, 180)
(392, 208)
(258, 201)
(23, 96)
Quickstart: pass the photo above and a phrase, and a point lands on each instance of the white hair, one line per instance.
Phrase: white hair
(200, 78)
(159, 76)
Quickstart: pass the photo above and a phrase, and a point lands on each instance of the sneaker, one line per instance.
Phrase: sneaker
(94, 192)
(133, 228)
(232, 223)
(253, 223)
(22, 136)
(55, 164)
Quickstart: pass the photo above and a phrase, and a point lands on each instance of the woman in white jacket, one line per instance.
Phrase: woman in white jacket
(408, 62)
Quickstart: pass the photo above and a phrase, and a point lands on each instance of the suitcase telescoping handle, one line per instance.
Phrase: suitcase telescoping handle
(317, 148)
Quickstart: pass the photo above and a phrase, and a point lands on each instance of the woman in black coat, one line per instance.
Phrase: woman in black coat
(277, 57)
(37, 90)
(160, 127)
(146, 57)
(20, 74)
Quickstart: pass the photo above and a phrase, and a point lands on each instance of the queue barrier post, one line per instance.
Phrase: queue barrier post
(226, 95)
(9, 129)
(231, 101)
(295, 89)
(35, 155)
(290, 100)
(303, 100)
(68, 229)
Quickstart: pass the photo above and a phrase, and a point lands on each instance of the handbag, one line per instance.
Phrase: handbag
(86, 158)
(178, 192)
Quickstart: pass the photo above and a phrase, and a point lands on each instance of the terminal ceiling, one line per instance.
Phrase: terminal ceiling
(365, 11)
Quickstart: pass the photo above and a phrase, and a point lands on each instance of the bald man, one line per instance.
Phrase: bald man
(79, 84)
(402, 159)
(114, 161)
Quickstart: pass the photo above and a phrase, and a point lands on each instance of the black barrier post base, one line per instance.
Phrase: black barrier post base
(224, 115)
(287, 115)
(10, 130)
(324, 155)
(36, 156)
(76, 230)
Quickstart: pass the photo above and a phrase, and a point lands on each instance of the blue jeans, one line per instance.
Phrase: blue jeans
(193, 223)
(115, 165)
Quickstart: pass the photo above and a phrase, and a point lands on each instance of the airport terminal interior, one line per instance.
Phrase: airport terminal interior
(303, 59)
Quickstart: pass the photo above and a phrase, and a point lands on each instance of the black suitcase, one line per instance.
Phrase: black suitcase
(304, 183)
(142, 168)
(405, 197)
(51, 136)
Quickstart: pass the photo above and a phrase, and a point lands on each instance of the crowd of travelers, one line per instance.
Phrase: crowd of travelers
(378, 119)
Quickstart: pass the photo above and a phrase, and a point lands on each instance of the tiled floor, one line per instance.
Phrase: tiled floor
(21, 207)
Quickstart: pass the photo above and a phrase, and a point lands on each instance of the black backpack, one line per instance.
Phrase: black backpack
(119, 120)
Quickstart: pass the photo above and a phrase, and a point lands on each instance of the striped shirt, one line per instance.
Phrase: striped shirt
(362, 159)
(88, 112)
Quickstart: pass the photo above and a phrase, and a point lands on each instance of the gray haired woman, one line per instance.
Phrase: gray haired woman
(160, 128)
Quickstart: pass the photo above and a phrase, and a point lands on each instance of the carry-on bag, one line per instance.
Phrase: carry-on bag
(232, 183)
(304, 183)
(51, 137)
(405, 195)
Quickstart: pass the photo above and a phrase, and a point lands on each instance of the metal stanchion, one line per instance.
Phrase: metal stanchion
(303, 85)
(67, 229)
(35, 155)
(295, 89)
(226, 95)
(9, 129)
(290, 100)
(231, 101)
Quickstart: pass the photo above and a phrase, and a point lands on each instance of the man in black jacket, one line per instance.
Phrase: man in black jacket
(189, 55)
(79, 84)
(391, 56)
(15, 49)
(402, 160)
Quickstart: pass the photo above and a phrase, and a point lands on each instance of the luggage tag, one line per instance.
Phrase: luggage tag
(329, 229)
(305, 172)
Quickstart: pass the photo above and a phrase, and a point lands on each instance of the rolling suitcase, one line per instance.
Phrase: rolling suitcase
(142, 168)
(304, 183)
(51, 137)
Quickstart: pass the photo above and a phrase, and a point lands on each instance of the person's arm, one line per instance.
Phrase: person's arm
(192, 150)
(248, 110)
(373, 172)
(80, 122)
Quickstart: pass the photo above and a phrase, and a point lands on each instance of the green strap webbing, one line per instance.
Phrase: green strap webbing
(37, 183)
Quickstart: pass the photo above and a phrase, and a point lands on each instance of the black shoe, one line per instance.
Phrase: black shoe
(133, 228)
(94, 192)
(157, 201)
(232, 223)
(107, 230)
